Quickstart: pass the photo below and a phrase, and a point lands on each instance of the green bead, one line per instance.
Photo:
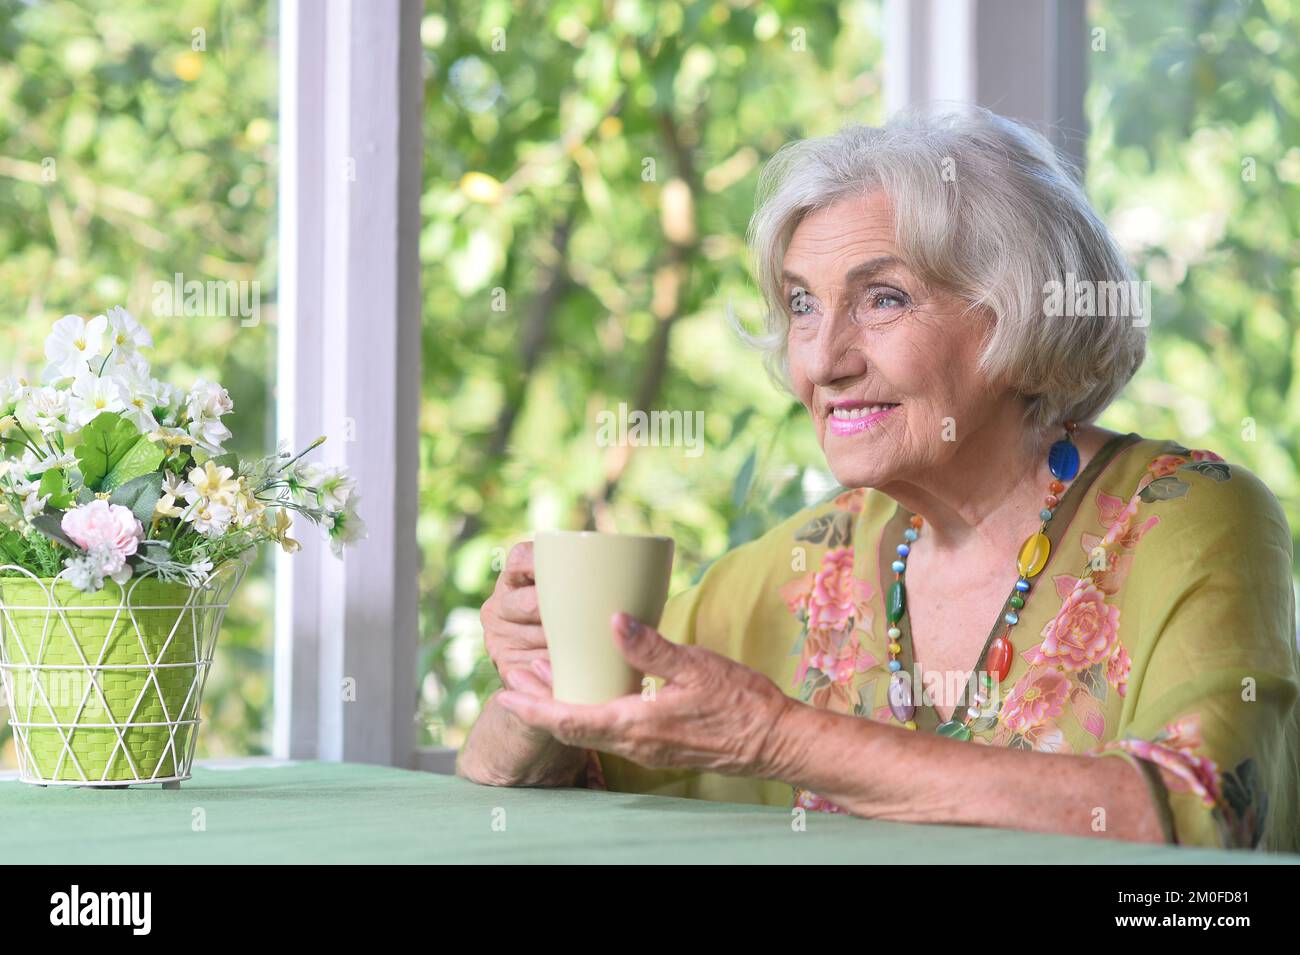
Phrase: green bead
(954, 730)
(1017, 601)
(897, 599)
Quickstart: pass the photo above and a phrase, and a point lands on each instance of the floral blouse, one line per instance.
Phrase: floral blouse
(1162, 631)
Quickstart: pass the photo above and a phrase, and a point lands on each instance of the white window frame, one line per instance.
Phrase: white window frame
(351, 90)
(1026, 59)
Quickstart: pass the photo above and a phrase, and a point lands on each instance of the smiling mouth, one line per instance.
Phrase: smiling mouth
(853, 420)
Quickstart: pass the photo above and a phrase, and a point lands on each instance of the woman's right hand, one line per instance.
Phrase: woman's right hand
(512, 626)
(503, 750)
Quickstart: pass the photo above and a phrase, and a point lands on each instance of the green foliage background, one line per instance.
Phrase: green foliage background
(589, 174)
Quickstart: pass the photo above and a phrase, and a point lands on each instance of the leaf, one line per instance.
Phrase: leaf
(738, 425)
(866, 696)
(834, 529)
(51, 525)
(54, 485)
(1163, 489)
(744, 480)
(104, 442)
(1087, 710)
(228, 460)
(142, 458)
(140, 494)
(1212, 469)
(1094, 679)
(12, 549)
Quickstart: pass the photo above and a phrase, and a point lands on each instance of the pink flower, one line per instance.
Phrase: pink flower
(831, 602)
(1034, 700)
(810, 800)
(1083, 632)
(1203, 455)
(103, 525)
(1165, 465)
(1173, 750)
(1117, 669)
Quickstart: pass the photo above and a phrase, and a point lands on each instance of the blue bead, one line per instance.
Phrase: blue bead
(1063, 460)
(898, 567)
(1045, 514)
(895, 666)
(909, 534)
(903, 550)
(1011, 619)
(1022, 585)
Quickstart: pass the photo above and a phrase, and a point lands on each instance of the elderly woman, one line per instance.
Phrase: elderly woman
(1003, 593)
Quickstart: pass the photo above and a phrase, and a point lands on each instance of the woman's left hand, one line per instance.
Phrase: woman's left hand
(712, 713)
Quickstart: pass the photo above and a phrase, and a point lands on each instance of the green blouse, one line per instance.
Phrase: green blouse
(1162, 631)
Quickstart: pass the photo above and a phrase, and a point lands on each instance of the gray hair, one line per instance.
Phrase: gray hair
(985, 208)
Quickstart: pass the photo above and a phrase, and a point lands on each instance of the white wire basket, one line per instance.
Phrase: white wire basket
(104, 688)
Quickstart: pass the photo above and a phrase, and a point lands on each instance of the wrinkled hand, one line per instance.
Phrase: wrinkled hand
(512, 628)
(712, 713)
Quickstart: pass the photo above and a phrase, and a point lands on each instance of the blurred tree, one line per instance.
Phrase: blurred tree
(1193, 160)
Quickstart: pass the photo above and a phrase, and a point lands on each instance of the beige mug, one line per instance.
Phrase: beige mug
(583, 579)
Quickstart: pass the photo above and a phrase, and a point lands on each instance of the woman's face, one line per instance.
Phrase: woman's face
(885, 365)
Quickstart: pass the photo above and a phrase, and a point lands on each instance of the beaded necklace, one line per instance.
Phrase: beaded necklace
(1063, 462)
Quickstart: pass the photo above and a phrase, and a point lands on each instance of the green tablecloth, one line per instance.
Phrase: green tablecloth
(347, 812)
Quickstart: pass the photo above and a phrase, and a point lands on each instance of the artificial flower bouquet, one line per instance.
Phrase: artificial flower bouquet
(124, 528)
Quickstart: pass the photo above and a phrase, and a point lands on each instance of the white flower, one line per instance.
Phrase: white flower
(141, 396)
(172, 489)
(12, 391)
(46, 408)
(34, 506)
(332, 484)
(213, 482)
(125, 334)
(207, 399)
(92, 394)
(210, 519)
(346, 527)
(72, 343)
(169, 397)
(39, 464)
(87, 571)
(209, 434)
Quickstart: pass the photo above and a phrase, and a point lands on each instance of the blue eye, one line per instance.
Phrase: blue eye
(880, 298)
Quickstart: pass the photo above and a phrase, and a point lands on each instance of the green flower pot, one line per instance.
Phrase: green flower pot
(104, 688)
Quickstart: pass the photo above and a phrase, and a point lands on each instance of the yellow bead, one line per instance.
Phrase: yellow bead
(910, 724)
(895, 648)
(1033, 555)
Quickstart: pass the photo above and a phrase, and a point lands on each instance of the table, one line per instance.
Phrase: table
(349, 812)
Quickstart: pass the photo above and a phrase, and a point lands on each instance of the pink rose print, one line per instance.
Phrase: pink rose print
(797, 592)
(1173, 751)
(831, 602)
(1117, 669)
(1037, 698)
(851, 501)
(834, 606)
(1202, 455)
(1083, 632)
(1165, 465)
(815, 803)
